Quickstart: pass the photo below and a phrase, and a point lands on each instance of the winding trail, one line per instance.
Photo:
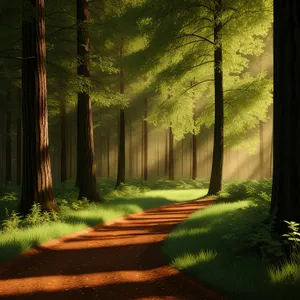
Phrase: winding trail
(117, 260)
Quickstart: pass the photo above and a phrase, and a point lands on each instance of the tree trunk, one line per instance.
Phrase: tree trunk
(261, 150)
(166, 155)
(108, 153)
(63, 142)
(158, 157)
(285, 203)
(194, 167)
(19, 149)
(121, 154)
(215, 184)
(36, 171)
(8, 147)
(171, 154)
(130, 150)
(86, 166)
(70, 152)
(145, 143)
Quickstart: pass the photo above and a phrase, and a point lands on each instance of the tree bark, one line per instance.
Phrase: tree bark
(171, 154)
(194, 167)
(166, 154)
(36, 171)
(261, 150)
(70, 152)
(121, 154)
(145, 143)
(108, 154)
(215, 184)
(86, 166)
(285, 203)
(8, 148)
(19, 149)
(63, 142)
(130, 150)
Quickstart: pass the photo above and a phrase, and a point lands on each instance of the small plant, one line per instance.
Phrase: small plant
(262, 238)
(293, 240)
(12, 222)
(35, 215)
(75, 205)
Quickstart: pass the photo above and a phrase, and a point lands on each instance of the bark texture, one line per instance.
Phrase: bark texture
(8, 146)
(121, 152)
(285, 204)
(215, 184)
(86, 166)
(36, 171)
(171, 154)
(145, 143)
(63, 142)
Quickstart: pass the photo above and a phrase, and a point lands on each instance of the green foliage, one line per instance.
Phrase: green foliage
(263, 238)
(12, 222)
(244, 189)
(36, 217)
(293, 240)
(124, 191)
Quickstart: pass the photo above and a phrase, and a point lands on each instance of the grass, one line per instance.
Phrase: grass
(75, 215)
(215, 245)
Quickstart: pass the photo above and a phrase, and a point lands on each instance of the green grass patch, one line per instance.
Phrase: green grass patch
(16, 236)
(227, 246)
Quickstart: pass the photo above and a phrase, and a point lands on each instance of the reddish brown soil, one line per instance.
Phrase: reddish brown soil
(116, 261)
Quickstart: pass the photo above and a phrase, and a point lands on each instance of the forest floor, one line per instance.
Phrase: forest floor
(120, 259)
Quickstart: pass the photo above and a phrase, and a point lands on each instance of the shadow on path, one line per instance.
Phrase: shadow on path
(119, 260)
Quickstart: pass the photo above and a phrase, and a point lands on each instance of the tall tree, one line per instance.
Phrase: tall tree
(63, 141)
(86, 167)
(36, 177)
(171, 153)
(261, 150)
(215, 183)
(285, 203)
(145, 142)
(121, 152)
(8, 158)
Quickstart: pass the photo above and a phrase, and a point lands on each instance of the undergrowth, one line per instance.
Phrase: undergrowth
(249, 260)
(19, 234)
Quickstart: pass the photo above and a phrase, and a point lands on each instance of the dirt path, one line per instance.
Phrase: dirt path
(117, 261)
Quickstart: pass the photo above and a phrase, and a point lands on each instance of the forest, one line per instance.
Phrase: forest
(149, 150)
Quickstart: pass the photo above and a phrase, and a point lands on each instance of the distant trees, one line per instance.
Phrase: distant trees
(285, 204)
(37, 177)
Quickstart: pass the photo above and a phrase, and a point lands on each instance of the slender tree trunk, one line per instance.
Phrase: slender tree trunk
(70, 152)
(108, 154)
(36, 177)
(145, 143)
(166, 154)
(130, 150)
(194, 145)
(158, 157)
(182, 158)
(194, 149)
(63, 142)
(285, 203)
(19, 149)
(8, 148)
(261, 150)
(86, 166)
(171, 154)
(215, 184)
(121, 154)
